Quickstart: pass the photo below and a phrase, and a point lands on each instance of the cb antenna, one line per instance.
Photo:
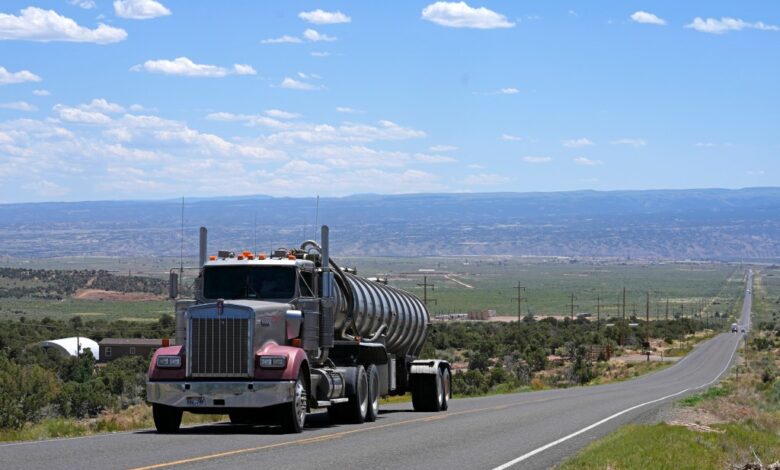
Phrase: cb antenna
(181, 246)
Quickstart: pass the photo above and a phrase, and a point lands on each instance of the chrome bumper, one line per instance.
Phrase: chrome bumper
(220, 394)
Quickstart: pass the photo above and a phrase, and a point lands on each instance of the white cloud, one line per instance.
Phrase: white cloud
(511, 138)
(36, 24)
(461, 15)
(81, 116)
(140, 9)
(755, 172)
(309, 76)
(726, 24)
(704, 144)
(319, 54)
(102, 105)
(346, 132)
(484, 179)
(314, 36)
(426, 158)
(509, 91)
(531, 159)
(243, 69)
(41, 92)
(647, 18)
(344, 109)
(572, 13)
(22, 76)
(324, 17)
(576, 143)
(282, 40)
(19, 106)
(46, 188)
(280, 114)
(85, 4)
(587, 161)
(293, 84)
(631, 142)
(186, 67)
(442, 148)
(475, 166)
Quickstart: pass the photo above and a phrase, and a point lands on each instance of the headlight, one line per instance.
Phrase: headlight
(169, 361)
(272, 362)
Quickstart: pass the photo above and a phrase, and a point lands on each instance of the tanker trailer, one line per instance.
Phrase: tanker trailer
(270, 337)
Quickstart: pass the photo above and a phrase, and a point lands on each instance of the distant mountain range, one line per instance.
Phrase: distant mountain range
(663, 224)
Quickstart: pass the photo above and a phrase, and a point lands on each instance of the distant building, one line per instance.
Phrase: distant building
(114, 348)
(72, 346)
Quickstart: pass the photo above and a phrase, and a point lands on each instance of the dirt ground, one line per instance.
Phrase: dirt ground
(98, 294)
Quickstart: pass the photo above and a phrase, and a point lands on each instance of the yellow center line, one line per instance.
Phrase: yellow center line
(332, 436)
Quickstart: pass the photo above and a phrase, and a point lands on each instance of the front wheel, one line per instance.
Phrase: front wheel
(294, 413)
(167, 419)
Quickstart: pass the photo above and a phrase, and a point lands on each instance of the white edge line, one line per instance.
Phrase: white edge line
(608, 418)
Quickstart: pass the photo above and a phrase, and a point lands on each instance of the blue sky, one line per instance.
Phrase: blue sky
(133, 99)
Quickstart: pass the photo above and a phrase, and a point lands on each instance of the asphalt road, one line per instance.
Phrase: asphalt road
(527, 430)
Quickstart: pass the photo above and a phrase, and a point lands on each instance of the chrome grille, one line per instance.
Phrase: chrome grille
(219, 347)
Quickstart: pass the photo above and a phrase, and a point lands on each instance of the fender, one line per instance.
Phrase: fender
(295, 358)
(158, 373)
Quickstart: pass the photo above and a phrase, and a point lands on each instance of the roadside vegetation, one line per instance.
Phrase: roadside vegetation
(735, 424)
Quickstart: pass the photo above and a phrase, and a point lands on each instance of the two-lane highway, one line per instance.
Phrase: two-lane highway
(528, 430)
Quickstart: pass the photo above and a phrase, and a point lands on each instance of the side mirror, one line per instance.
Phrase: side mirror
(173, 285)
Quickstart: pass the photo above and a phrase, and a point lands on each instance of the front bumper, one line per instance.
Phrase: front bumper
(205, 395)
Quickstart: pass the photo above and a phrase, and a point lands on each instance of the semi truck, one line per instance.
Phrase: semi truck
(268, 338)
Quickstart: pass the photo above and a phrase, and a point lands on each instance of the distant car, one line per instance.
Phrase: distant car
(734, 328)
(743, 329)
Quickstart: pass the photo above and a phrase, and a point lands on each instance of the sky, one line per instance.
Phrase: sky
(144, 99)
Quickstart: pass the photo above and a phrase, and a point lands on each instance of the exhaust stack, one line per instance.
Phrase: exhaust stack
(203, 253)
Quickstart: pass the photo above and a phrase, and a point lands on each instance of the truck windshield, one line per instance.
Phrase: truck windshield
(249, 282)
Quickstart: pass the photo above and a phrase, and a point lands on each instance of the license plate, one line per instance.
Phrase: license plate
(196, 401)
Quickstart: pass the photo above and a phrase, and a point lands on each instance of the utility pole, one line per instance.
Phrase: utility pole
(667, 309)
(624, 304)
(571, 304)
(598, 313)
(647, 317)
(519, 299)
(425, 287)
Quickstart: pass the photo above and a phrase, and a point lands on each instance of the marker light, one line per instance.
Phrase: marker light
(171, 362)
(272, 362)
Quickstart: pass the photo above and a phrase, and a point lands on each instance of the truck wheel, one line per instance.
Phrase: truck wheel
(357, 407)
(239, 418)
(294, 413)
(167, 419)
(446, 381)
(373, 393)
(428, 392)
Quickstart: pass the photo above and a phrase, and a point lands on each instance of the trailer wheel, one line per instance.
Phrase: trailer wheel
(294, 413)
(428, 392)
(357, 407)
(239, 418)
(446, 381)
(373, 393)
(167, 419)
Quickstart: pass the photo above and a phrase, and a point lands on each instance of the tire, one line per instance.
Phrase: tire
(238, 417)
(294, 413)
(373, 393)
(167, 419)
(428, 392)
(447, 385)
(357, 407)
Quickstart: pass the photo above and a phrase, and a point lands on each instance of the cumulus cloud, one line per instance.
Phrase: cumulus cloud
(140, 9)
(630, 142)
(37, 24)
(282, 40)
(704, 144)
(461, 15)
(19, 106)
(511, 138)
(345, 109)
(81, 116)
(531, 159)
(46, 188)
(587, 161)
(509, 91)
(293, 84)
(442, 148)
(41, 92)
(576, 143)
(647, 18)
(102, 105)
(324, 17)
(755, 172)
(7, 78)
(726, 24)
(314, 36)
(186, 67)
(280, 114)
(319, 54)
(85, 4)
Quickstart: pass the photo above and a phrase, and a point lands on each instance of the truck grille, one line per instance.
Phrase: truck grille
(219, 347)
